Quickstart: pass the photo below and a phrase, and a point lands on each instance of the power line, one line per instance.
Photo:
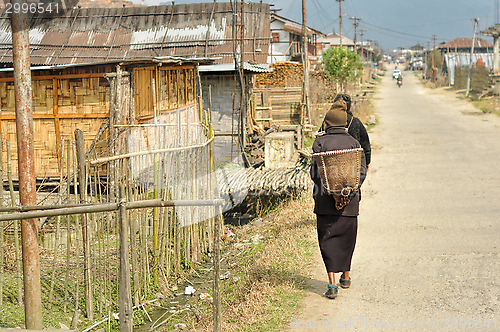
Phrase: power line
(433, 23)
(290, 8)
(317, 10)
(395, 31)
(323, 11)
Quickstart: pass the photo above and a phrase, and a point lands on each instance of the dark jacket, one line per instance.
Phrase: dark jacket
(358, 131)
(334, 139)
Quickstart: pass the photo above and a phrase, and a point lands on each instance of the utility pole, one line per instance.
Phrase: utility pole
(434, 59)
(467, 90)
(427, 60)
(362, 33)
(340, 17)
(26, 166)
(355, 23)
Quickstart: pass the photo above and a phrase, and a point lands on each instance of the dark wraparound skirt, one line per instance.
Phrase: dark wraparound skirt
(337, 239)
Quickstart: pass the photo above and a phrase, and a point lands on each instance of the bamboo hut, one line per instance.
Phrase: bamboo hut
(80, 96)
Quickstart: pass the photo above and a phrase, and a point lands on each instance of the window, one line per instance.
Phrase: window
(276, 37)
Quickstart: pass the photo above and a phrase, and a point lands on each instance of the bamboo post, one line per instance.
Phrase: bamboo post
(1, 224)
(77, 225)
(133, 239)
(97, 191)
(155, 190)
(216, 290)
(125, 298)
(16, 225)
(58, 226)
(216, 243)
(68, 226)
(82, 179)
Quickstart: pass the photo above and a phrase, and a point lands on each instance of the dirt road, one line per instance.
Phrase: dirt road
(427, 255)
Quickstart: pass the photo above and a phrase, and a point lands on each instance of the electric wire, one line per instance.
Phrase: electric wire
(318, 11)
(395, 31)
(290, 8)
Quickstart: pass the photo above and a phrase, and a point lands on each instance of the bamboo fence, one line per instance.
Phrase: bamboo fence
(168, 158)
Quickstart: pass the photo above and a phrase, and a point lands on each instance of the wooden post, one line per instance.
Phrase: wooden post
(126, 323)
(1, 225)
(82, 179)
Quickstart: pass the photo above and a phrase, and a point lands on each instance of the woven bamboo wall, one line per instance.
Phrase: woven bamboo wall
(81, 101)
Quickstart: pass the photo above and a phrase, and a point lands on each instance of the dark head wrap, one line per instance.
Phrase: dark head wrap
(336, 116)
(346, 98)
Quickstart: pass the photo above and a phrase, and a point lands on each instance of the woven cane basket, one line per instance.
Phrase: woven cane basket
(339, 170)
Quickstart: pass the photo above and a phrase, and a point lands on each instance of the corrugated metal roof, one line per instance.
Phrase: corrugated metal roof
(296, 25)
(164, 59)
(256, 68)
(99, 34)
(466, 43)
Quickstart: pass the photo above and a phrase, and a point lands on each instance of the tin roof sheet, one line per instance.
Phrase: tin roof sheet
(466, 43)
(256, 68)
(86, 35)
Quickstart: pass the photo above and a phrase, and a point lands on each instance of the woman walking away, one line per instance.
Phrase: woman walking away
(338, 170)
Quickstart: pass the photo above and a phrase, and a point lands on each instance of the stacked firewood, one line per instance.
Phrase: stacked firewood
(285, 74)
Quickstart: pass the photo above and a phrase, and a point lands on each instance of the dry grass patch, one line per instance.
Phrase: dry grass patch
(267, 280)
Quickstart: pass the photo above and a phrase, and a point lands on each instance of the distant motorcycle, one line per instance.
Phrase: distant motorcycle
(399, 83)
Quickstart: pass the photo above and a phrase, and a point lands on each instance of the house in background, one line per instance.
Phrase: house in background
(457, 53)
(84, 96)
(201, 31)
(463, 45)
(333, 40)
(286, 40)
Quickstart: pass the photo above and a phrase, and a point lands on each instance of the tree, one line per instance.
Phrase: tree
(342, 65)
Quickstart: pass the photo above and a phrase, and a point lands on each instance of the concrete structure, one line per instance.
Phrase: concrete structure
(279, 150)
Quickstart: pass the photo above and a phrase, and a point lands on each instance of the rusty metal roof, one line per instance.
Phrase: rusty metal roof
(169, 60)
(295, 27)
(466, 43)
(89, 35)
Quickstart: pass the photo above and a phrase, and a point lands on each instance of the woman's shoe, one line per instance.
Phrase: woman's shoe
(332, 291)
(344, 283)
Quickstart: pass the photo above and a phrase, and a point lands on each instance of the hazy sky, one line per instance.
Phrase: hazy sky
(392, 23)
